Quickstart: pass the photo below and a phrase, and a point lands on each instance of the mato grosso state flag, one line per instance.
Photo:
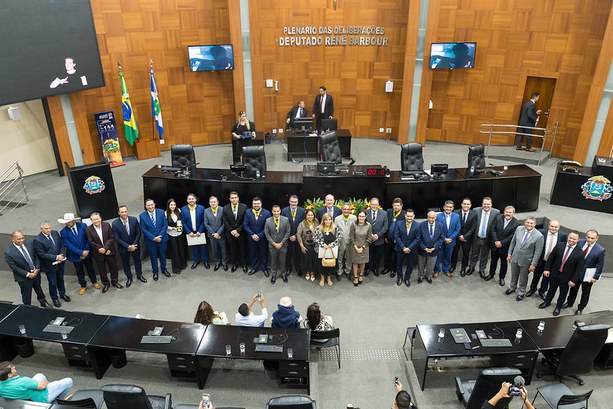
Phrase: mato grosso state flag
(156, 109)
(129, 120)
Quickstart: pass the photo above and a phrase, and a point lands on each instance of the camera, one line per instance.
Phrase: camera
(514, 391)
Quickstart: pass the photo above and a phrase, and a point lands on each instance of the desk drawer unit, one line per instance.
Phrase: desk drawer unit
(77, 355)
(181, 365)
(294, 372)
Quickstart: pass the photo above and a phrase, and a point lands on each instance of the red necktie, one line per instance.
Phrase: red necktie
(564, 258)
(587, 249)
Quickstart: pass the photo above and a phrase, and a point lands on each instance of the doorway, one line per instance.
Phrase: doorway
(545, 87)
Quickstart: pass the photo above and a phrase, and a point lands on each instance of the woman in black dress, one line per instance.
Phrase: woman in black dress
(243, 125)
(304, 235)
(176, 238)
(327, 237)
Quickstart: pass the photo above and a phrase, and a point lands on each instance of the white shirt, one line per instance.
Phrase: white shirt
(192, 215)
(99, 231)
(323, 103)
(251, 320)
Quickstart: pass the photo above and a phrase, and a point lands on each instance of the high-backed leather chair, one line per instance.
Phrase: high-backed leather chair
(579, 354)
(329, 149)
(183, 156)
(254, 159)
(117, 396)
(291, 402)
(476, 156)
(411, 157)
(472, 393)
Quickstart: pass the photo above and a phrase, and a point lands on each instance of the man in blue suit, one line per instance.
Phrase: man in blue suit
(254, 224)
(24, 263)
(213, 223)
(395, 215)
(78, 250)
(329, 208)
(50, 249)
(406, 236)
(430, 242)
(192, 216)
(126, 232)
(594, 262)
(295, 214)
(154, 227)
(377, 218)
(451, 229)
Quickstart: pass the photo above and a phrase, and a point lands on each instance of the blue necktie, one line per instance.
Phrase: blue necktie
(431, 230)
(482, 231)
(24, 251)
(152, 215)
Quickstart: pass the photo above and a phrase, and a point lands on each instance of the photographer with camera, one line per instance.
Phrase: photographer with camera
(403, 399)
(508, 390)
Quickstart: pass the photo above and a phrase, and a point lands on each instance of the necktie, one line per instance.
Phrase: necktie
(74, 230)
(24, 251)
(465, 215)
(235, 211)
(506, 223)
(431, 230)
(152, 215)
(374, 216)
(564, 258)
(483, 228)
(551, 241)
(126, 226)
(447, 220)
(51, 239)
(587, 250)
(523, 240)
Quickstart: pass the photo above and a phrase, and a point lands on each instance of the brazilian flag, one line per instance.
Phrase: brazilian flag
(129, 120)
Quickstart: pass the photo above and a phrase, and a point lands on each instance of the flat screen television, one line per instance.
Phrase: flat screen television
(216, 57)
(305, 123)
(47, 48)
(445, 56)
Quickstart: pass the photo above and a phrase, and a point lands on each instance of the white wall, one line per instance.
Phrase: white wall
(26, 140)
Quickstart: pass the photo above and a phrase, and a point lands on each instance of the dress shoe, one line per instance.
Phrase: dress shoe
(97, 285)
(385, 271)
(488, 277)
(375, 273)
(267, 273)
(529, 293)
(544, 305)
(65, 298)
(452, 269)
(207, 265)
(245, 269)
(234, 268)
(128, 282)
(253, 271)
(519, 298)
(556, 312)
(216, 267)
(462, 273)
(141, 279)
(105, 288)
(45, 304)
(82, 290)
(178, 272)
(482, 274)
(519, 148)
(57, 303)
(579, 311)
(167, 274)
(407, 283)
(501, 282)
(429, 280)
(366, 273)
(392, 274)
(117, 285)
(225, 267)
(419, 280)
(435, 276)
(448, 274)
(542, 295)
(284, 278)
(155, 277)
(195, 265)
(273, 280)
(509, 291)
(530, 149)
(399, 281)
(566, 305)
(470, 271)
(339, 277)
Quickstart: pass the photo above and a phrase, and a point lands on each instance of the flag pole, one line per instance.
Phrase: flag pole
(152, 117)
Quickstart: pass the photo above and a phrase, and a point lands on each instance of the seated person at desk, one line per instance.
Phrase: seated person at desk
(37, 388)
(285, 316)
(403, 399)
(316, 321)
(299, 111)
(245, 316)
(243, 125)
(504, 393)
(206, 316)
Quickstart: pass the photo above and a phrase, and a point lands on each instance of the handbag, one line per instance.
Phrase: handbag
(328, 261)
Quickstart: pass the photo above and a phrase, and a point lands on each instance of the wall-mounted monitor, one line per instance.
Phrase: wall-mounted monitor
(216, 57)
(446, 56)
(47, 48)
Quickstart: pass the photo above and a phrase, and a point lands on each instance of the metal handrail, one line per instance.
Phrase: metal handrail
(11, 183)
(496, 129)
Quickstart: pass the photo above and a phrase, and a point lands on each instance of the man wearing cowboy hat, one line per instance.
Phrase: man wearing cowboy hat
(78, 250)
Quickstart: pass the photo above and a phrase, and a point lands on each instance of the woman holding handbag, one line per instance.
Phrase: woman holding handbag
(360, 234)
(327, 237)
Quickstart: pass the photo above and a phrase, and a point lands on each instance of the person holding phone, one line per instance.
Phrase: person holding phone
(504, 393)
(402, 399)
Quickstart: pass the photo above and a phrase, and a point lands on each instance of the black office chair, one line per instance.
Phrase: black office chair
(183, 157)
(329, 149)
(476, 156)
(557, 395)
(472, 393)
(332, 340)
(579, 354)
(192, 406)
(411, 157)
(291, 402)
(134, 397)
(254, 159)
(84, 398)
(329, 124)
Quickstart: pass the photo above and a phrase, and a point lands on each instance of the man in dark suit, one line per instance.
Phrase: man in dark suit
(126, 232)
(192, 218)
(78, 250)
(154, 227)
(565, 266)
(503, 229)
(295, 215)
(213, 223)
(100, 236)
(553, 236)
(430, 242)
(528, 117)
(394, 215)
(378, 220)
(323, 107)
(468, 229)
(480, 248)
(592, 268)
(50, 249)
(277, 231)
(25, 265)
(233, 218)
(329, 208)
(407, 242)
(298, 111)
(255, 221)
(451, 230)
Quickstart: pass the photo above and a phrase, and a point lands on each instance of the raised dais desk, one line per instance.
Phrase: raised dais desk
(300, 144)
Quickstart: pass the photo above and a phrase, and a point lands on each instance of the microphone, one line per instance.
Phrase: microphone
(519, 381)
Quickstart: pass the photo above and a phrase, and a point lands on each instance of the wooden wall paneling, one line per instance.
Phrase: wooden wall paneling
(61, 133)
(88, 135)
(236, 36)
